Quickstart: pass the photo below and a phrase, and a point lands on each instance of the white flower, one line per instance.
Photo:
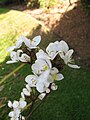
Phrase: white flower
(53, 49)
(41, 65)
(54, 86)
(29, 43)
(55, 75)
(41, 96)
(17, 107)
(14, 114)
(32, 44)
(68, 59)
(31, 80)
(18, 56)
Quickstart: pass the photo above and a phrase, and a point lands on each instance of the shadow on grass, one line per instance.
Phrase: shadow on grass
(73, 27)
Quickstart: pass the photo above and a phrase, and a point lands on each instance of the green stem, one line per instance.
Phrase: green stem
(36, 107)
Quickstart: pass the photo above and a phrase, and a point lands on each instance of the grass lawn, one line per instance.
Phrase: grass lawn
(72, 99)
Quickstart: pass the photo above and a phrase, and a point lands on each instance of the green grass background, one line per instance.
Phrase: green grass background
(72, 99)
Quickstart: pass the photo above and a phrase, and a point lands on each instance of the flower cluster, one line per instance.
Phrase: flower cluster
(46, 68)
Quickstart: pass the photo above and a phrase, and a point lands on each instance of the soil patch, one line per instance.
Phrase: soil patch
(68, 22)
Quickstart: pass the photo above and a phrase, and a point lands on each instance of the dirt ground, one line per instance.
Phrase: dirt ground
(69, 22)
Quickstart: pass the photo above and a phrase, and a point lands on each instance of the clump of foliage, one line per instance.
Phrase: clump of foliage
(32, 3)
(48, 3)
(41, 3)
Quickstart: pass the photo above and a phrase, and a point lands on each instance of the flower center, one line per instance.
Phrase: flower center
(45, 67)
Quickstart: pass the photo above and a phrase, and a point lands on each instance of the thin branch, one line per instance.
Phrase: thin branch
(36, 107)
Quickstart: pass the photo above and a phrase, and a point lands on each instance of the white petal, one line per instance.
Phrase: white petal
(28, 88)
(49, 63)
(24, 58)
(54, 70)
(59, 77)
(69, 53)
(43, 77)
(17, 113)
(74, 66)
(14, 56)
(26, 41)
(10, 104)
(15, 104)
(23, 118)
(41, 96)
(11, 114)
(31, 80)
(9, 62)
(50, 79)
(68, 57)
(40, 87)
(36, 40)
(54, 86)
(19, 42)
(53, 49)
(63, 46)
(22, 103)
(47, 90)
(26, 92)
(19, 52)
(11, 48)
(22, 95)
(42, 55)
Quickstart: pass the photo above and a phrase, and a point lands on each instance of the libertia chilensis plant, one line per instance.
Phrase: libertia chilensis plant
(46, 68)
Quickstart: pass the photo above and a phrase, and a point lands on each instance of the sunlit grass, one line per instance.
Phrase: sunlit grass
(12, 24)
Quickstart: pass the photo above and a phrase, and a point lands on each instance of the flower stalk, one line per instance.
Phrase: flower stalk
(46, 68)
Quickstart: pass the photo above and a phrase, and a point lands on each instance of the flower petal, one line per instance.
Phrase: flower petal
(19, 42)
(54, 70)
(36, 40)
(26, 92)
(24, 58)
(10, 104)
(54, 86)
(40, 87)
(59, 77)
(11, 114)
(63, 46)
(41, 96)
(15, 104)
(31, 80)
(11, 48)
(74, 66)
(9, 62)
(22, 103)
(42, 55)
